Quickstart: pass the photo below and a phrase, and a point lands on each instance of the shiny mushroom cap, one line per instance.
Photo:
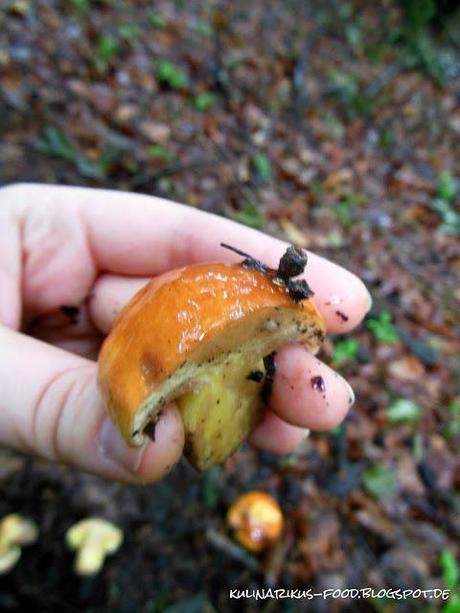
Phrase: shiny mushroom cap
(93, 539)
(256, 519)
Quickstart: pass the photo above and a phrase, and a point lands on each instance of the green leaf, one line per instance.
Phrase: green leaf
(353, 35)
(55, 144)
(386, 139)
(449, 216)
(453, 605)
(161, 153)
(383, 329)
(172, 75)
(343, 84)
(419, 12)
(203, 27)
(211, 486)
(205, 100)
(81, 6)
(108, 47)
(345, 350)
(342, 211)
(447, 187)
(249, 215)
(403, 411)
(129, 31)
(450, 569)
(262, 165)
(156, 20)
(453, 427)
(99, 168)
(380, 481)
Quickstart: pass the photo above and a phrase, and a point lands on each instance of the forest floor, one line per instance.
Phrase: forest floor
(332, 125)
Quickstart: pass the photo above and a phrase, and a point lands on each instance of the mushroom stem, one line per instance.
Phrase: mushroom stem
(90, 557)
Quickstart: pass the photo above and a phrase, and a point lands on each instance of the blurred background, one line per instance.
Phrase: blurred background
(333, 125)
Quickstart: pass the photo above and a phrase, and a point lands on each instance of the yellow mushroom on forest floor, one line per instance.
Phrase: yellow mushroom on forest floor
(15, 532)
(256, 519)
(93, 539)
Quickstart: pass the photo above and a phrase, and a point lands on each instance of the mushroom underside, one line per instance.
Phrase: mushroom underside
(217, 391)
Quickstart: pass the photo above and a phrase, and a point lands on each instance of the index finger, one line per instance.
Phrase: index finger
(133, 234)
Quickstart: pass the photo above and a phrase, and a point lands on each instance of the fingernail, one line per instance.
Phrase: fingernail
(351, 394)
(113, 447)
(369, 302)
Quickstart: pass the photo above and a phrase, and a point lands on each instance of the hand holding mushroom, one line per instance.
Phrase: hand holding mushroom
(70, 259)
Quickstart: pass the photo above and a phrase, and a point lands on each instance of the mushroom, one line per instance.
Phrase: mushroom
(15, 532)
(257, 520)
(204, 336)
(93, 539)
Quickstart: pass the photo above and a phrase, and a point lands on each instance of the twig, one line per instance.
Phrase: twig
(226, 546)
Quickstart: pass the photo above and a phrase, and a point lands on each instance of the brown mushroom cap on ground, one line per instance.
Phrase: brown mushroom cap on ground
(186, 325)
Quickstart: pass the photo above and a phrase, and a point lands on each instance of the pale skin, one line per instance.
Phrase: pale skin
(93, 249)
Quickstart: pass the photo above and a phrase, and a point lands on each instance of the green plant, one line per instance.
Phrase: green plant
(82, 6)
(129, 32)
(155, 19)
(343, 213)
(211, 486)
(262, 166)
(453, 427)
(386, 139)
(380, 481)
(343, 209)
(403, 411)
(205, 101)
(450, 571)
(203, 27)
(161, 153)
(447, 186)
(346, 88)
(100, 167)
(108, 47)
(417, 50)
(383, 329)
(334, 126)
(171, 75)
(54, 143)
(443, 205)
(345, 350)
(419, 13)
(250, 215)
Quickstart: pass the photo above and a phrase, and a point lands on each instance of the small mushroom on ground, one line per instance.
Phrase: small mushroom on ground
(93, 539)
(257, 520)
(15, 532)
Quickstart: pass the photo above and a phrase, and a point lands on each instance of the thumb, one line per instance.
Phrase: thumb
(50, 406)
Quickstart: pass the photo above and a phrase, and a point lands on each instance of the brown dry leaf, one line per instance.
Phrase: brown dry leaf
(294, 234)
(296, 171)
(406, 568)
(407, 368)
(406, 178)
(336, 181)
(373, 520)
(126, 112)
(154, 131)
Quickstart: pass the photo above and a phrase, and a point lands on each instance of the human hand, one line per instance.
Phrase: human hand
(66, 247)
